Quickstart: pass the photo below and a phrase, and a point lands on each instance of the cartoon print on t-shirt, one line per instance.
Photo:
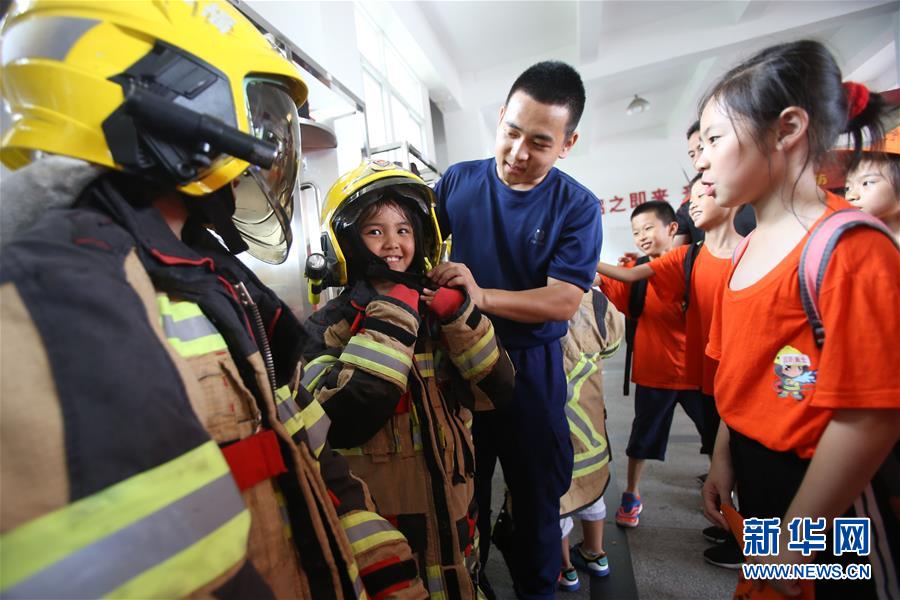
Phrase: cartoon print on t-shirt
(792, 369)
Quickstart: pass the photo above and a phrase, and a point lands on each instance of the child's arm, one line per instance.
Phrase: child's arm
(360, 390)
(635, 273)
(852, 448)
(473, 347)
(720, 482)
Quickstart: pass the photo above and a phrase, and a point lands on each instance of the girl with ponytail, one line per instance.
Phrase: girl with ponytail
(813, 452)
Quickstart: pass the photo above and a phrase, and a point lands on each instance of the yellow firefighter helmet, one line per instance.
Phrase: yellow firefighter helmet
(351, 194)
(183, 92)
(789, 355)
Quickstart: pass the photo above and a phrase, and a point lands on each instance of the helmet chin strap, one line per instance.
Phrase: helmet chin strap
(378, 269)
(215, 210)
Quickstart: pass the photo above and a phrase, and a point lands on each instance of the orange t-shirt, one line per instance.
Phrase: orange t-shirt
(659, 343)
(706, 281)
(774, 384)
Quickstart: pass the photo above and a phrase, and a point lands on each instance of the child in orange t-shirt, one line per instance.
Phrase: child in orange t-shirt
(804, 428)
(712, 262)
(660, 375)
(712, 259)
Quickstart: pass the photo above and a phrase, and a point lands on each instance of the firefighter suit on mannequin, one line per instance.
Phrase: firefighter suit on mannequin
(399, 377)
(159, 450)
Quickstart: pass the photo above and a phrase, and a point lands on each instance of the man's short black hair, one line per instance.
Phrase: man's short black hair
(663, 211)
(553, 82)
(694, 128)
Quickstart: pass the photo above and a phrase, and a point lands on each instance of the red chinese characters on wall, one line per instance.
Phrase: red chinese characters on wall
(616, 204)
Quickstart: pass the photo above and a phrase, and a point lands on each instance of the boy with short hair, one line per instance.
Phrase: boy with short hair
(660, 372)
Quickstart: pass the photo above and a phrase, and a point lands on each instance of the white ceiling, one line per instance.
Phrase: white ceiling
(669, 52)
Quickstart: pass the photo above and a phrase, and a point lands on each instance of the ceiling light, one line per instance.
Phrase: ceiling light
(638, 105)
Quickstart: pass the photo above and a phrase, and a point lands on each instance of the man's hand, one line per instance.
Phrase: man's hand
(457, 275)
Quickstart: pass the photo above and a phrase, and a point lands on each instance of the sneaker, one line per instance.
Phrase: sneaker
(628, 511)
(716, 534)
(727, 556)
(568, 580)
(595, 564)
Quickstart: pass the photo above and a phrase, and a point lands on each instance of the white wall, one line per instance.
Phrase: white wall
(326, 31)
(620, 168)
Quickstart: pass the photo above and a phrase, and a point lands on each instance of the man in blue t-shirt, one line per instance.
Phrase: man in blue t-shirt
(526, 240)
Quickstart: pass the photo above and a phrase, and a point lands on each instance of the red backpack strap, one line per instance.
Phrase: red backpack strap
(817, 252)
(739, 249)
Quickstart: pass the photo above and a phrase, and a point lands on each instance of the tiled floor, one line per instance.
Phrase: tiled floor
(662, 558)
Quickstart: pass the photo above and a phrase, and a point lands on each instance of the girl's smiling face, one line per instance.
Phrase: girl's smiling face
(388, 234)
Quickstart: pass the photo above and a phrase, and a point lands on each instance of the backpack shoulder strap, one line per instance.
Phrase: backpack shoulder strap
(816, 254)
(636, 296)
(690, 257)
(638, 293)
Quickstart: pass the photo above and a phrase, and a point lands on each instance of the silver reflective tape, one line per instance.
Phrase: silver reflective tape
(44, 37)
(473, 361)
(318, 433)
(484, 352)
(575, 419)
(286, 410)
(110, 562)
(367, 528)
(311, 372)
(587, 462)
(376, 357)
(186, 330)
(574, 377)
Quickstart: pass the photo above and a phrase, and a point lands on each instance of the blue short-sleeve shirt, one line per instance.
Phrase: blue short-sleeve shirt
(514, 240)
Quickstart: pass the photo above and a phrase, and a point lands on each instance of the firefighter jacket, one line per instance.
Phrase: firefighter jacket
(151, 450)
(594, 333)
(399, 390)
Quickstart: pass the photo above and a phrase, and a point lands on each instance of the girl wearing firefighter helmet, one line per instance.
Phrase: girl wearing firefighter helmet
(160, 452)
(398, 367)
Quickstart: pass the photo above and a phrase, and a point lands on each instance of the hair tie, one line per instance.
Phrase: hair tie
(857, 98)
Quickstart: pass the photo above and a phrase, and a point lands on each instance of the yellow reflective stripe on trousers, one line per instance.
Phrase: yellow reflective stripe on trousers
(479, 357)
(366, 530)
(435, 582)
(416, 427)
(315, 370)
(381, 359)
(317, 424)
(610, 350)
(288, 411)
(353, 573)
(425, 364)
(162, 533)
(187, 328)
(349, 451)
(597, 450)
(312, 418)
